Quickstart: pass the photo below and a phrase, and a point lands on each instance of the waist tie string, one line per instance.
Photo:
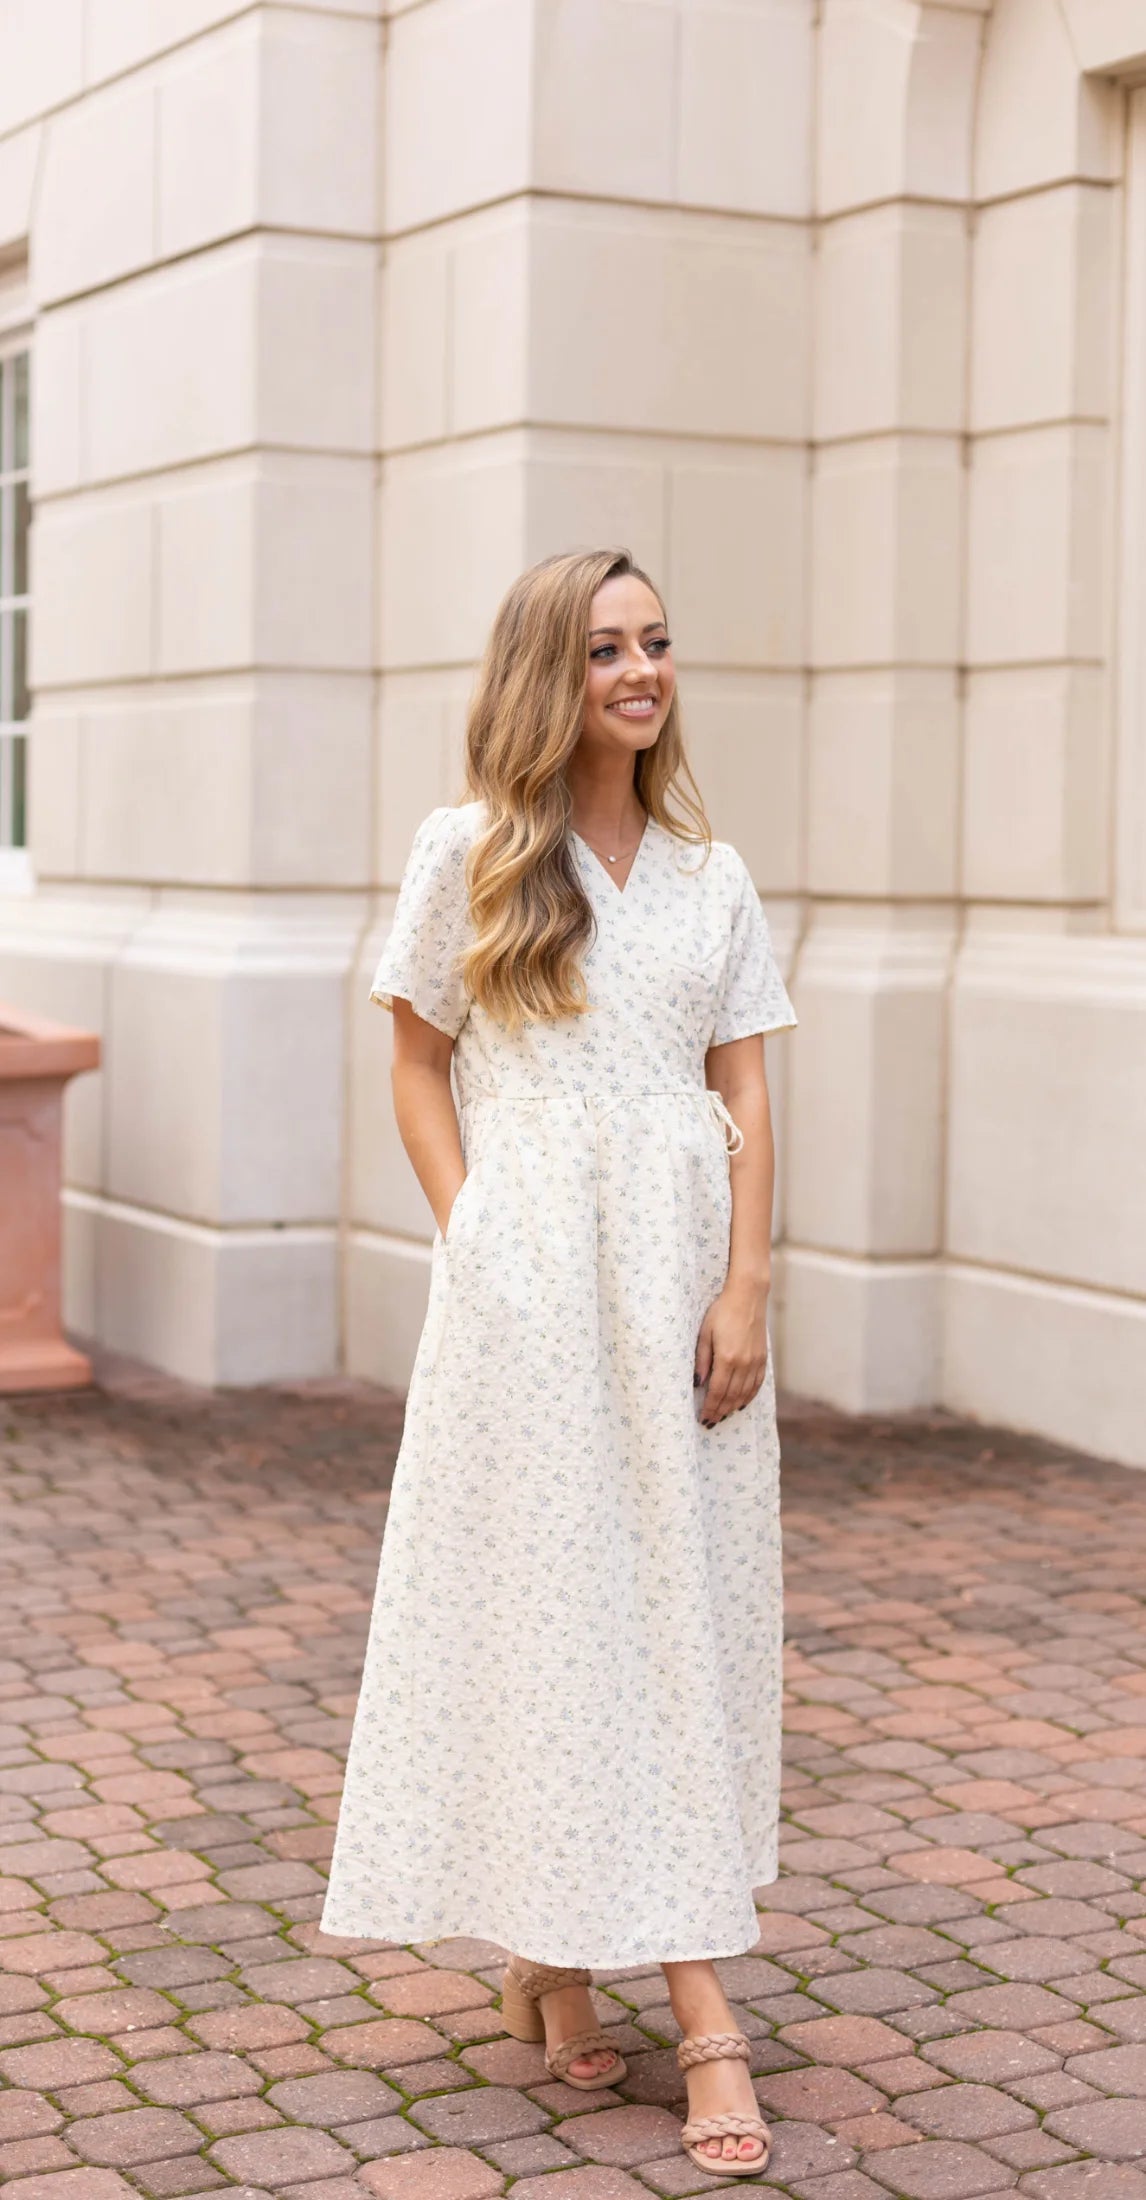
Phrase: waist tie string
(733, 1135)
(731, 1131)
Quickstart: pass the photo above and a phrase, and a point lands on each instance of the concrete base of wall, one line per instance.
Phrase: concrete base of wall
(386, 1282)
(210, 1306)
(861, 1335)
(1063, 1363)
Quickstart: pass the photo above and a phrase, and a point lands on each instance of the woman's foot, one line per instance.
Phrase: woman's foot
(721, 2088)
(566, 2012)
(724, 2089)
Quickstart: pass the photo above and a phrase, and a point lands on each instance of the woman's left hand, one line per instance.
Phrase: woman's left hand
(732, 1350)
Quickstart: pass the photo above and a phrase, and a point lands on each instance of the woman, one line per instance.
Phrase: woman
(567, 1740)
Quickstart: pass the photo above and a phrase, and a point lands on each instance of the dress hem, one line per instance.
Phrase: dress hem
(751, 1027)
(553, 1953)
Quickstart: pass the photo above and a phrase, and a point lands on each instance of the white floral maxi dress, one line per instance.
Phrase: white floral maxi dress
(567, 1739)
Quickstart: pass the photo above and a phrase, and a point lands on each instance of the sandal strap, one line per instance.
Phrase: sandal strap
(582, 2043)
(700, 2128)
(702, 2047)
(536, 1979)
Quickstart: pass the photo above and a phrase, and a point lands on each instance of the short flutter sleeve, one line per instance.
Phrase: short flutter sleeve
(752, 997)
(421, 961)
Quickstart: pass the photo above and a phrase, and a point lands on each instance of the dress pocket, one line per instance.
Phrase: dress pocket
(456, 1214)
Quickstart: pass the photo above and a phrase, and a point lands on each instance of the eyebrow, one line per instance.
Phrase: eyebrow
(649, 629)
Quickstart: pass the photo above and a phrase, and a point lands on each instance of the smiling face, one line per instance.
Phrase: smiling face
(631, 678)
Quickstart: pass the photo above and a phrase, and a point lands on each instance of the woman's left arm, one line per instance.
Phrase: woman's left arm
(732, 1348)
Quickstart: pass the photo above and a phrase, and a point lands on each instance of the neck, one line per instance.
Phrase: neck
(605, 803)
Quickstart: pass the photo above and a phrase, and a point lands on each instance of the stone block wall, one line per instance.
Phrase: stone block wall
(836, 315)
(200, 210)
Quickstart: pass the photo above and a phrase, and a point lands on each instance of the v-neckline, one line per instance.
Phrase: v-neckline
(595, 860)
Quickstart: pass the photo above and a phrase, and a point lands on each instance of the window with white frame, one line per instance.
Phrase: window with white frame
(14, 515)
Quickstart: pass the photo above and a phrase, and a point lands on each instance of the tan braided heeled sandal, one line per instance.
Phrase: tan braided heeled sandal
(521, 1990)
(701, 2047)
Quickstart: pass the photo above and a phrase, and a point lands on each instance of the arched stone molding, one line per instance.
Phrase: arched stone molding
(1040, 119)
(897, 85)
(1107, 34)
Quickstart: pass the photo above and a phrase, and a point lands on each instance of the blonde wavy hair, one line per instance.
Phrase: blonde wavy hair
(531, 915)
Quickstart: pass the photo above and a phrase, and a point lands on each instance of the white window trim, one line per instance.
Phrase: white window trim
(16, 874)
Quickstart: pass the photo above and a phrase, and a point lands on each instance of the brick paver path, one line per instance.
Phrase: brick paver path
(946, 1998)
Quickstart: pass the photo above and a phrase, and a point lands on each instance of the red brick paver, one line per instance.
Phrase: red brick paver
(946, 1999)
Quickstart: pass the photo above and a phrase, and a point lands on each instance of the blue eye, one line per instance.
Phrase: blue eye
(659, 645)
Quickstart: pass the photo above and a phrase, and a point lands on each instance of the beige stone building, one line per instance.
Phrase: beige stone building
(332, 317)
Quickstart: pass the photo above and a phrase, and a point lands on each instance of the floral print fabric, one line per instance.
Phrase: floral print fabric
(567, 1739)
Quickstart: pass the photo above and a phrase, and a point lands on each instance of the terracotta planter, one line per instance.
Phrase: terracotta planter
(36, 1061)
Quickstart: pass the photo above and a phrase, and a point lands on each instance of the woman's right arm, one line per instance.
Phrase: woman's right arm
(424, 1108)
